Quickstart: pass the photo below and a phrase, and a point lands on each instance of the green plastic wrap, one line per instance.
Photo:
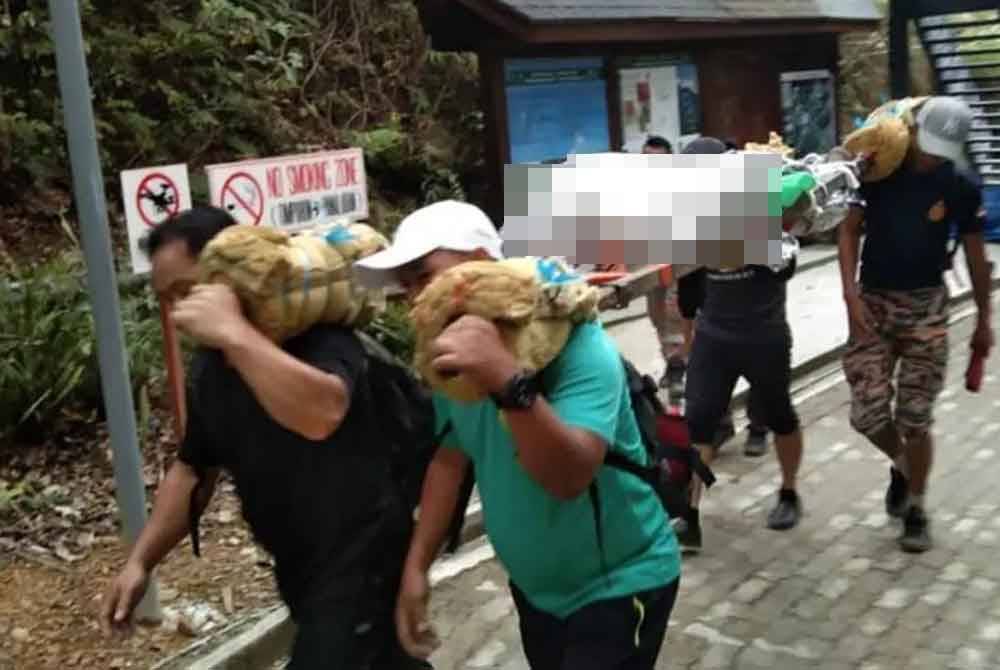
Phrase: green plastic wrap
(794, 186)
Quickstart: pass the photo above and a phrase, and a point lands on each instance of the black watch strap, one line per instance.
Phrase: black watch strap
(518, 393)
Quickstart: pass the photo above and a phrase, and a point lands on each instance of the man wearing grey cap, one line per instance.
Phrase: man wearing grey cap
(898, 311)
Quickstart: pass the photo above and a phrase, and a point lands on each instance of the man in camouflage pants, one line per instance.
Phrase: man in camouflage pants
(898, 312)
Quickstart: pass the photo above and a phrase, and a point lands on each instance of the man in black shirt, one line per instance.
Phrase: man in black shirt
(899, 311)
(690, 298)
(742, 330)
(294, 426)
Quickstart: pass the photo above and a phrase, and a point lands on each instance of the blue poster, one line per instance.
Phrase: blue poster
(556, 107)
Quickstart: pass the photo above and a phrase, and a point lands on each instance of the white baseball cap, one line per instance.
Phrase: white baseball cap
(943, 125)
(449, 224)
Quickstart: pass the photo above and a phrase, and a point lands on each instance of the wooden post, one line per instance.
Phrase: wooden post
(175, 369)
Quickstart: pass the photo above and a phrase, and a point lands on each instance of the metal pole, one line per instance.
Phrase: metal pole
(88, 188)
(899, 48)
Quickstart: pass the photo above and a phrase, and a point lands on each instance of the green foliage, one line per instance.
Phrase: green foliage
(48, 355)
(203, 81)
(172, 80)
(393, 329)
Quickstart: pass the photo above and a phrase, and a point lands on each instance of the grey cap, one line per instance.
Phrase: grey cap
(943, 125)
(705, 145)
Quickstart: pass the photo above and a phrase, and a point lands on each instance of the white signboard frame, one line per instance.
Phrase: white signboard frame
(657, 112)
(151, 195)
(292, 192)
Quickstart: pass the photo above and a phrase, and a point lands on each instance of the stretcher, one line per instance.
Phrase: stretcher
(619, 289)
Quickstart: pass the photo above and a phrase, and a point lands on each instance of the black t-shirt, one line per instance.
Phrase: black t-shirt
(321, 508)
(744, 302)
(908, 217)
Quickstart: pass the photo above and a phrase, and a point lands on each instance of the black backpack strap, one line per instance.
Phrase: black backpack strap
(595, 503)
(693, 458)
(195, 510)
(194, 515)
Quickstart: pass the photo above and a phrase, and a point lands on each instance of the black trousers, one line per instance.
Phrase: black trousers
(353, 627)
(619, 634)
(764, 359)
(357, 633)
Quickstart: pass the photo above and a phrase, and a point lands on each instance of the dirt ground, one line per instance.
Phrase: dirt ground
(59, 547)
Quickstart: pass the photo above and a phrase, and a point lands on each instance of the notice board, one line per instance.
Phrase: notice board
(658, 96)
(555, 107)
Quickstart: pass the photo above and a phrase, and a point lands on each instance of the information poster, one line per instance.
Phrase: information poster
(556, 107)
(810, 119)
(659, 96)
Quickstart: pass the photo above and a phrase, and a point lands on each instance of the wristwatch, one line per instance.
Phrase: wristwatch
(519, 392)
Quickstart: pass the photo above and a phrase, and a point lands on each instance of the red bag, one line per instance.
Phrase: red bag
(674, 437)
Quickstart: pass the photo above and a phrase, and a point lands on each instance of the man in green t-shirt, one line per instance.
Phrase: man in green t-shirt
(593, 561)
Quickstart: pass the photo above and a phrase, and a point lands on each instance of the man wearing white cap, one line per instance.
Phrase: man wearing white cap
(898, 311)
(594, 564)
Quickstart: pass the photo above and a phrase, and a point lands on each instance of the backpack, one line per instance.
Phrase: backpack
(673, 461)
(405, 415)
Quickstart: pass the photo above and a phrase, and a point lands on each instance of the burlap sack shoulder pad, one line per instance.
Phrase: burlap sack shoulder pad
(885, 136)
(533, 301)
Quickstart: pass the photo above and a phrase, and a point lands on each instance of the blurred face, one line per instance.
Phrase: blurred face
(418, 274)
(174, 271)
(654, 150)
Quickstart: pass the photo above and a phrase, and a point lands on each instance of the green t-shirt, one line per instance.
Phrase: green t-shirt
(549, 546)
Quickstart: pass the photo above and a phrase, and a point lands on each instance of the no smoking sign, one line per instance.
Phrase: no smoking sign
(243, 198)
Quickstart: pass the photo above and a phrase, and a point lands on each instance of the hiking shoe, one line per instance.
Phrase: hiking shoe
(916, 537)
(896, 494)
(756, 445)
(787, 512)
(689, 532)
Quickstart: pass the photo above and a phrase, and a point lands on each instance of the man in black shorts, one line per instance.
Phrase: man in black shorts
(295, 427)
(742, 330)
(690, 298)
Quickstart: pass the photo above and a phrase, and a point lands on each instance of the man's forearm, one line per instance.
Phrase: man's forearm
(169, 522)
(300, 397)
(437, 507)
(848, 246)
(556, 455)
(980, 273)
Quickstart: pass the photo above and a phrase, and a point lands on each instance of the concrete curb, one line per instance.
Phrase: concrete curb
(808, 265)
(259, 646)
(268, 640)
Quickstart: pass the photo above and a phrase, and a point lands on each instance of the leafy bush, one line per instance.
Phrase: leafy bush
(48, 356)
(393, 329)
(201, 81)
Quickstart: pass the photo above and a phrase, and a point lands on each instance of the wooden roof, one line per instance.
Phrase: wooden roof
(542, 11)
(486, 24)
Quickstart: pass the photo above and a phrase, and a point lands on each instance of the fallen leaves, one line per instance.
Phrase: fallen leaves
(60, 544)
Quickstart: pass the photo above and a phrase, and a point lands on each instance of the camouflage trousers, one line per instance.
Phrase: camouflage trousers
(908, 345)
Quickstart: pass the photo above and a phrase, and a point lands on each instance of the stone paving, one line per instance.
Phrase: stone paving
(833, 594)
